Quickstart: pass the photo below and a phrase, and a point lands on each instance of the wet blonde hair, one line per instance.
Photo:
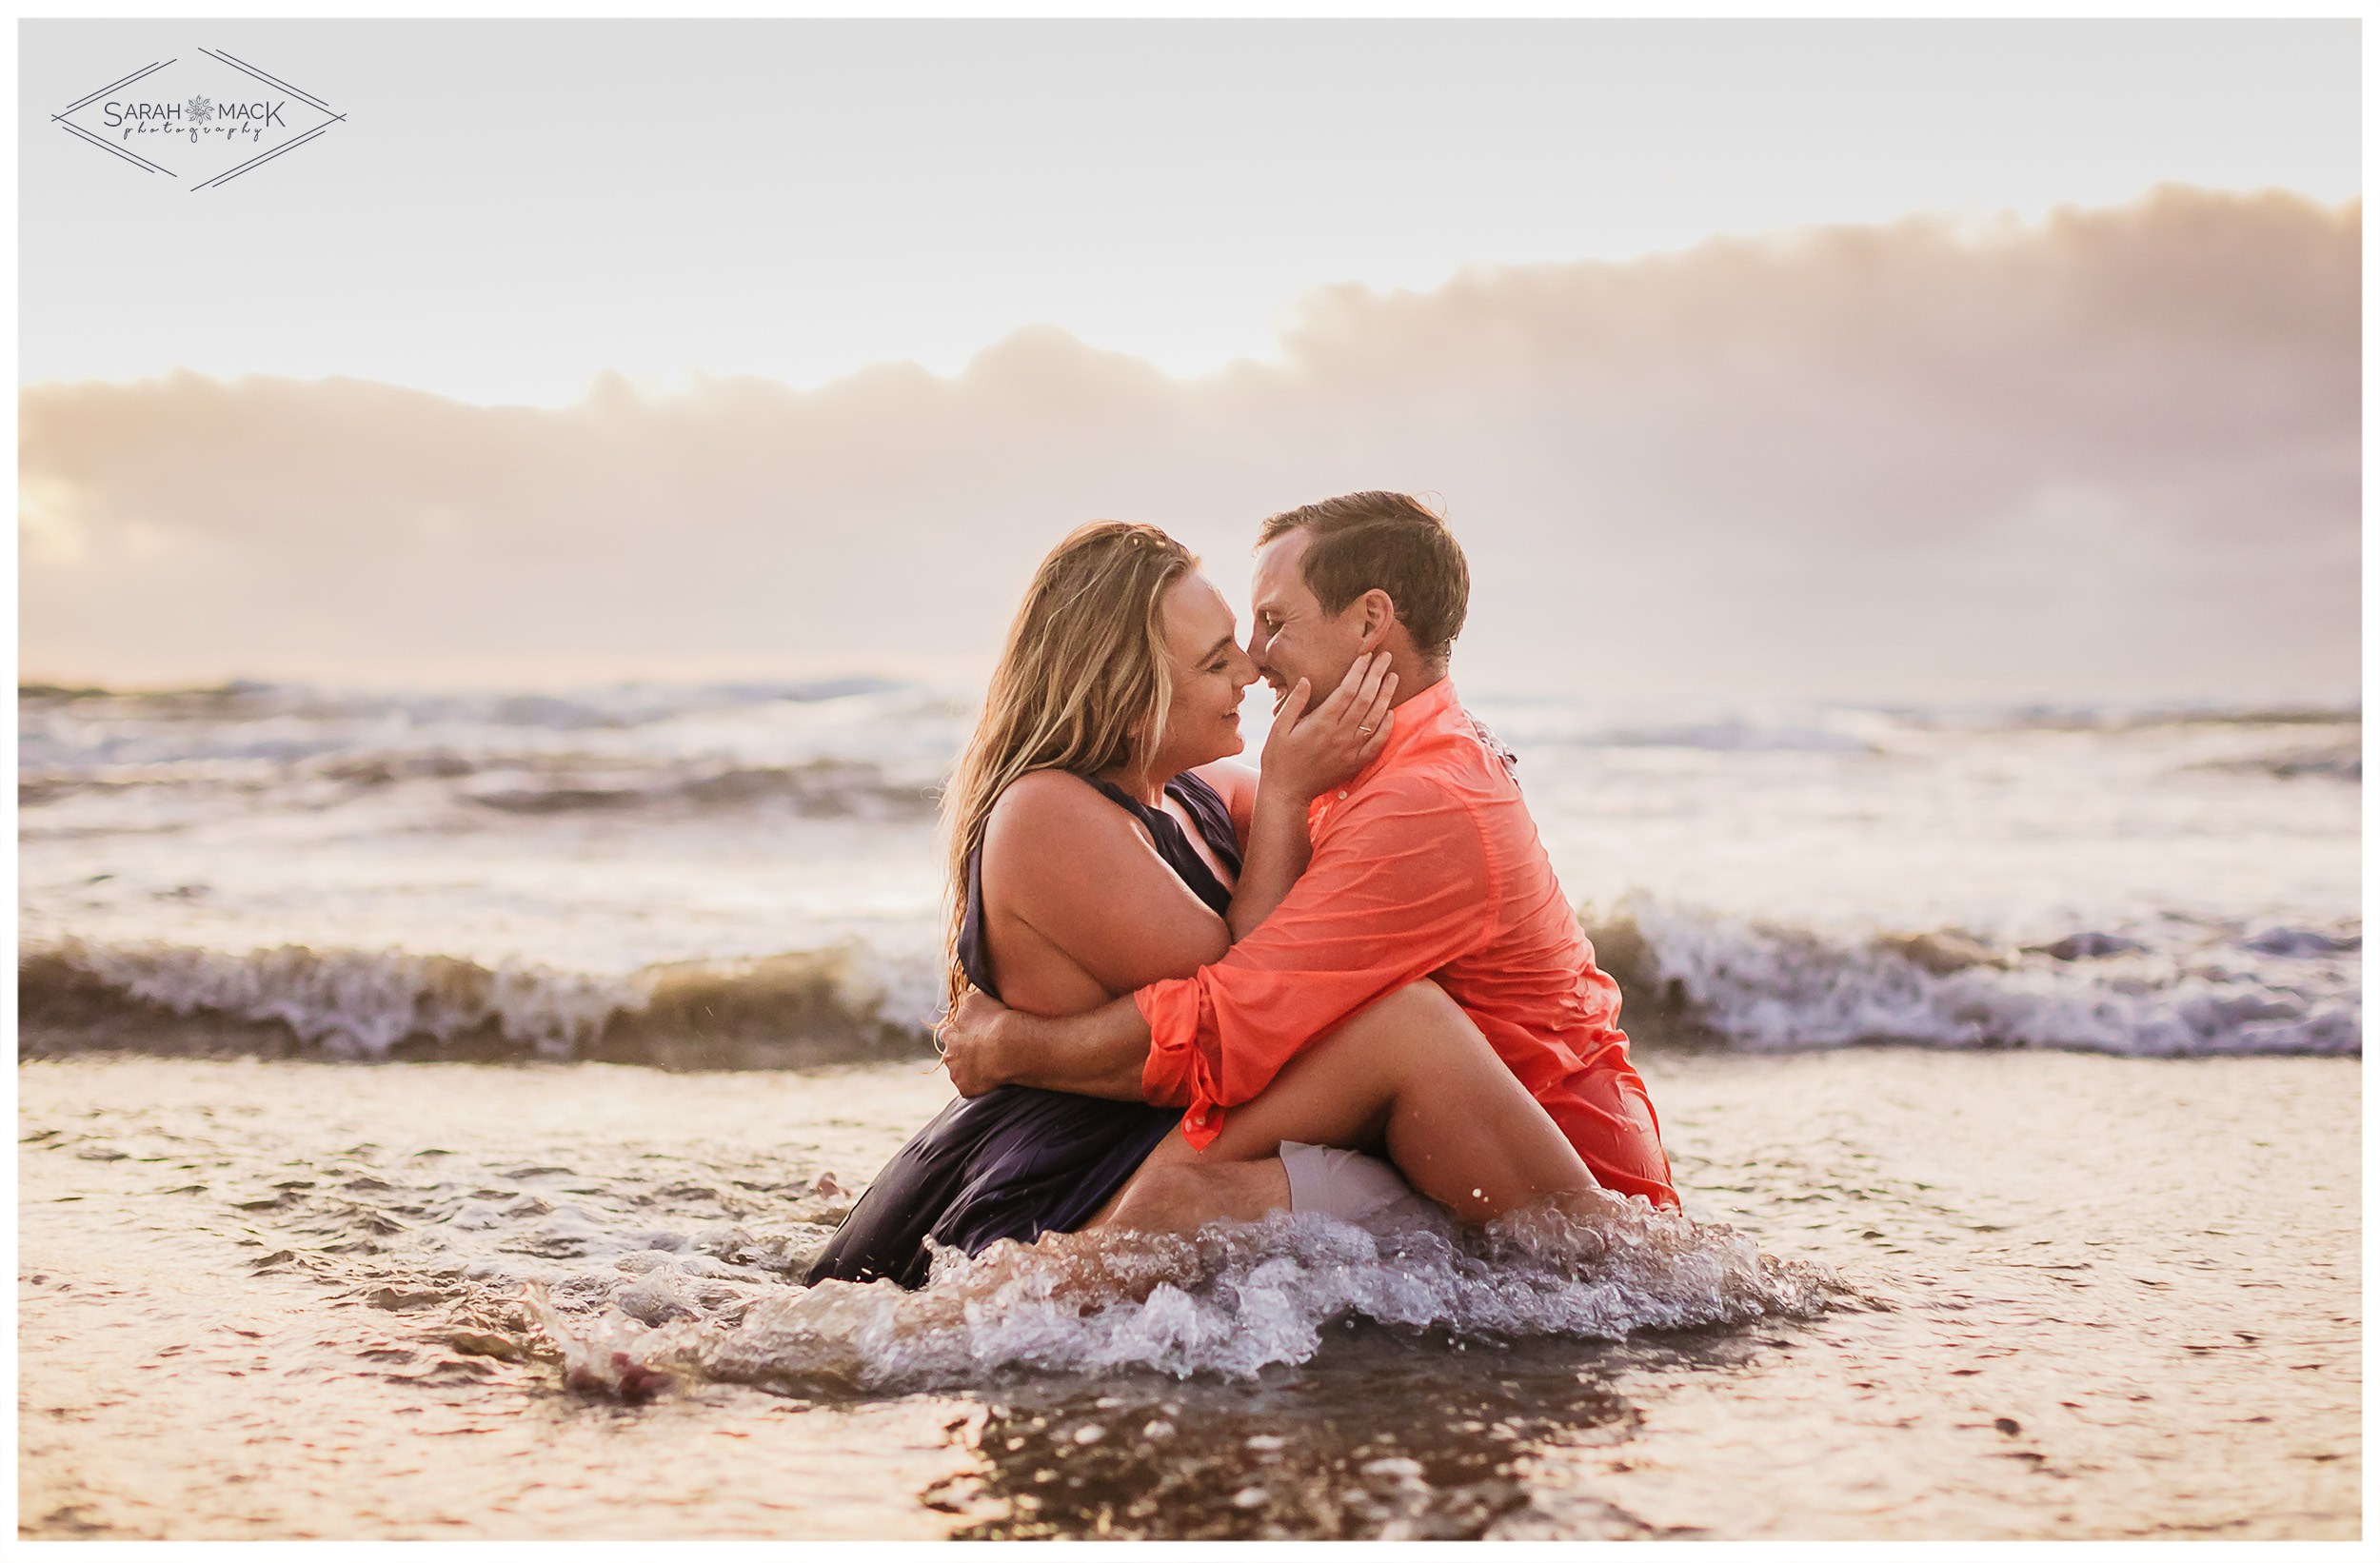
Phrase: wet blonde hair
(1083, 685)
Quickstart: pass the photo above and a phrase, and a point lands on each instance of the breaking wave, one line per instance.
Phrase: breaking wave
(790, 1010)
(2178, 988)
(2183, 988)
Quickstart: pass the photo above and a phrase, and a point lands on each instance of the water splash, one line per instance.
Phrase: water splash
(1237, 1298)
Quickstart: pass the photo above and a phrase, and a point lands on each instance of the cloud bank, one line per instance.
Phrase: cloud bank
(2113, 454)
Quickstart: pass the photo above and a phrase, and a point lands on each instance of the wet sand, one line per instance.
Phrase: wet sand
(2104, 1297)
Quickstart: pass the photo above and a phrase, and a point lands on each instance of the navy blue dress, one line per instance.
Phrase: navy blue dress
(1017, 1160)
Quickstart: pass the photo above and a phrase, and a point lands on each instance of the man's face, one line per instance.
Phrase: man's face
(1291, 637)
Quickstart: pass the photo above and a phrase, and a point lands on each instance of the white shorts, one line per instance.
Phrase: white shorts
(1354, 1187)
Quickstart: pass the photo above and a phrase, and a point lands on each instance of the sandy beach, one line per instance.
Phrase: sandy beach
(2085, 1297)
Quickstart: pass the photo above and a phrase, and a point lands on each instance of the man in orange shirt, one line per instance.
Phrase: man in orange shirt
(1425, 865)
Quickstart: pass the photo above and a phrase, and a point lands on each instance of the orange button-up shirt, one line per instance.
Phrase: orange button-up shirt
(1425, 864)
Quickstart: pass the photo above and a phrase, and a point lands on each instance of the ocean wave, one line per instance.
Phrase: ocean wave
(791, 1010)
(823, 788)
(2337, 762)
(2185, 989)
(2109, 717)
(1230, 1303)
(1848, 730)
(248, 700)
(2178, 988)
(1627, 725)
(653, 741)
(519, 784)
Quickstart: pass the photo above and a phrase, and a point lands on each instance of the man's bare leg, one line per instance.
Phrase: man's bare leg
(1410, 1076)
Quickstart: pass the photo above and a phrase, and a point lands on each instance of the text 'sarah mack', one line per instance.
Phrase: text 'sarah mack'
(194, 117)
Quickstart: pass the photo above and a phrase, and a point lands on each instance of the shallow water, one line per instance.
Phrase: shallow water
(2084, 1296)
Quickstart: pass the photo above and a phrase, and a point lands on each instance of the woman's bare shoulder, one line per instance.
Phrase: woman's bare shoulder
(1044, 805)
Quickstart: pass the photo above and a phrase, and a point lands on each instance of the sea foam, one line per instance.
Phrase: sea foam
(1232, 1301)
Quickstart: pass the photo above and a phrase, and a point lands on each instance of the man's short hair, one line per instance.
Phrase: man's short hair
(1389, 541)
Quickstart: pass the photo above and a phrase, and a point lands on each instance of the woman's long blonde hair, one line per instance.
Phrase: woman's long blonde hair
(1083, 684)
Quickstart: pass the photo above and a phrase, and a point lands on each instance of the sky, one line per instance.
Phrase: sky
(1867, 360)
(519, 206)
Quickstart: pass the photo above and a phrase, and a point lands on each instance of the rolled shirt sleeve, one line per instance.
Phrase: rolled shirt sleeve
(1401, 882)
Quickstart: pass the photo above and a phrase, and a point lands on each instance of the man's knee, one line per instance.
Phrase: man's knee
(1422, 999)
(1421, 1016)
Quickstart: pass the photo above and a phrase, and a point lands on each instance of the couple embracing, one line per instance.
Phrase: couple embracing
(1182, 992)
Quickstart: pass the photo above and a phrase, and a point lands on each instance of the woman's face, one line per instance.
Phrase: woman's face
(1211, 670)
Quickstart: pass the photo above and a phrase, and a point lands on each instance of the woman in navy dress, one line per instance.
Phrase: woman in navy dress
(1119, 688)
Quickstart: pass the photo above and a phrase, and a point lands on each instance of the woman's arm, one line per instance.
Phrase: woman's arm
(1078, 905)
(1307, 752)
(1278, 850)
